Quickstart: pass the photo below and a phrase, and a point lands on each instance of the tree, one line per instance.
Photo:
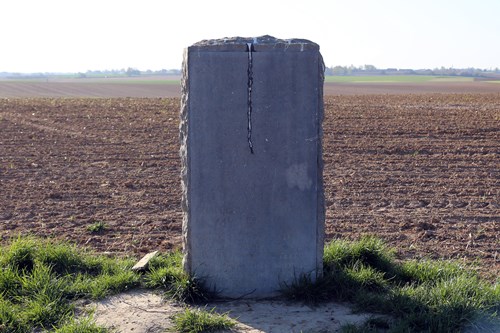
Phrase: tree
(339, 70)
(133, 72)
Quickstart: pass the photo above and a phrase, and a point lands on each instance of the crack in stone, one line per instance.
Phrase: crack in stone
(249, 101)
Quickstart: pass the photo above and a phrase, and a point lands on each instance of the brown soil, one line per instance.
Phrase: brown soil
(420, 171)
(87, 88)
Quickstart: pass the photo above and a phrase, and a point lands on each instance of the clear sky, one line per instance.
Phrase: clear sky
(81, 35)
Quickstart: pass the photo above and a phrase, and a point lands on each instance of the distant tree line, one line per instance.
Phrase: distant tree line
(130, 71)
(365, 70)
(372, 70)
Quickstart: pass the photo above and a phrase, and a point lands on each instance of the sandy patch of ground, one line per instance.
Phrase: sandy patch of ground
(142, 311)
(138, 311)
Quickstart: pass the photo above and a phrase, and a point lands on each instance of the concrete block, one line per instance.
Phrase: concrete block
(251, 155)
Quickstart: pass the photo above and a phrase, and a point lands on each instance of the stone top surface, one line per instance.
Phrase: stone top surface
(259, 44)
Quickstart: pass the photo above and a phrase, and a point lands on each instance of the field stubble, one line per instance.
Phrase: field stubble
(420, 171)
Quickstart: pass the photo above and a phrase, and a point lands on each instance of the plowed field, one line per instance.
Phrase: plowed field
(420, 171)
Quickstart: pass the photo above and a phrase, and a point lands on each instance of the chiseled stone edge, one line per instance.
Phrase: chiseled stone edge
(321, 211)
(184, 154)
(260, 44)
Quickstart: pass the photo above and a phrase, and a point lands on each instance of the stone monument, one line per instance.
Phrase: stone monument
(250, 132)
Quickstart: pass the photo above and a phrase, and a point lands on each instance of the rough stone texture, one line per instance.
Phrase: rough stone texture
(262, 43)
(252, 220)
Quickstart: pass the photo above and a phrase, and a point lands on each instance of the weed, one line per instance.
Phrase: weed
(200, 320)
(97, 227)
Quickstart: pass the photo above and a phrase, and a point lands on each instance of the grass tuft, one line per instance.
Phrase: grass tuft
(369, 251)
(20, 256)
(419, 296)
(310, 291)
(366, 277)
(65, 258)
(166, 273)
(200, 320)
(419, 272)
(85, 325)
(10, 320)
(39, 278)
(97, 227)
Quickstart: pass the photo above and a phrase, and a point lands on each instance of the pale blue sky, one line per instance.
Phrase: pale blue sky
(78, 35)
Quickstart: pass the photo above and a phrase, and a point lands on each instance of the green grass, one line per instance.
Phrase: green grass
(97, 227)
(201, 320)
(85, 325)
(40, 279)
(419, 296)
(166, 273)
(396, 79)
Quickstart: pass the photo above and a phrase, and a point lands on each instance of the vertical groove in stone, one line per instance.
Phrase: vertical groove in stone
(184, 154)
(249, 89)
